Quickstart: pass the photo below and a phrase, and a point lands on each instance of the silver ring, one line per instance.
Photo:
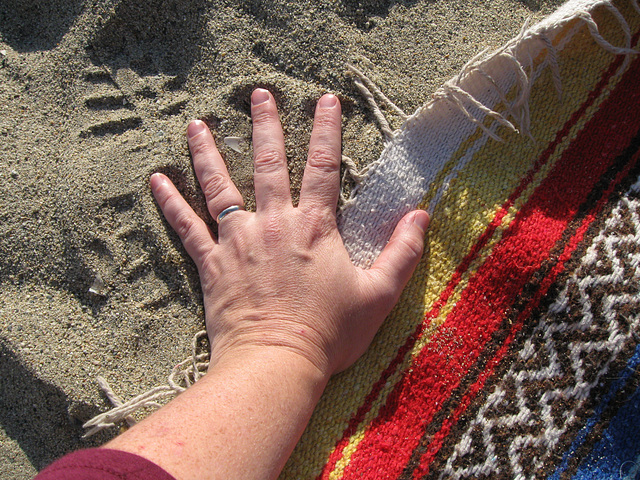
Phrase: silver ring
(227, 211)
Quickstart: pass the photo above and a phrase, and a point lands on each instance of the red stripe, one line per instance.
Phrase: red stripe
(438, 439)
(455, 347)
(369, 400)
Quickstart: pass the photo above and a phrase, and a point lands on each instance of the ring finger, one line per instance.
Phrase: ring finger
(219, 191)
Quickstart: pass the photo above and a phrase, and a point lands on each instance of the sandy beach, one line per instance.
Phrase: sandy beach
(95, 96)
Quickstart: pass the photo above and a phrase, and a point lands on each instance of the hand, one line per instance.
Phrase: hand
(285, 308)
(280, 278)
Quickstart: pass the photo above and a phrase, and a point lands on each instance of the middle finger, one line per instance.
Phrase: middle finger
(271, 175)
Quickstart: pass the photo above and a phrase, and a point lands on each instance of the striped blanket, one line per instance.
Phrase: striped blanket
(514, 350)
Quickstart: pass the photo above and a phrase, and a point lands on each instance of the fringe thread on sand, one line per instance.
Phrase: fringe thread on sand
(369, 90)
(191, 369)
(183, 375)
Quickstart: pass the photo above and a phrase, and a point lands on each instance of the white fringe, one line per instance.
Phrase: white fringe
(183, 375)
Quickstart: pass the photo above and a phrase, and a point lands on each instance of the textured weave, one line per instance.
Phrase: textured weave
(513, 352)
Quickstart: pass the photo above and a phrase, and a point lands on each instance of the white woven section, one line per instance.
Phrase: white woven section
(397, 182)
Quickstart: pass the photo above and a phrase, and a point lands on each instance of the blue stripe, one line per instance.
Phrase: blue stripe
(621, 442)
(616, 455)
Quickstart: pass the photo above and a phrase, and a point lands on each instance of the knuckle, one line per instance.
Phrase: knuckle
(327, 122)
(264, 116)
(387, 296)
(383, 295)
(413, 246)
(168, 197)
(200, 147)
(214, 185)
(268, 159)
(185, 225)
(320, 222)
(323, 158)
(208, 265)
(272, 230)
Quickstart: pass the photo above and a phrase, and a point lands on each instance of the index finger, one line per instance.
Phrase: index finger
(321, 180)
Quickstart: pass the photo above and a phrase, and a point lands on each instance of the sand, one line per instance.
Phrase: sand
(94, 97)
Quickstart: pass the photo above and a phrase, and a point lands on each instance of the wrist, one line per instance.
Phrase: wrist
(274, 360)
(280, 340)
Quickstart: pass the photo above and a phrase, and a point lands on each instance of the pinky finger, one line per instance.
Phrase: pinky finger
(191, 229)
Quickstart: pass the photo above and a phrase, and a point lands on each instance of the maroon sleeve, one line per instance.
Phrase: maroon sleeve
(103, 464)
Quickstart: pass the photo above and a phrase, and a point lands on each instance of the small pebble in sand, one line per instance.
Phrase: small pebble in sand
(237, 144)
(98, 287)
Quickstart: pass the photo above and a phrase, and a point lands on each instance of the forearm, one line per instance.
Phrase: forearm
(242, 420)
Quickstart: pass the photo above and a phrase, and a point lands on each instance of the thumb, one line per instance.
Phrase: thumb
(399, 259)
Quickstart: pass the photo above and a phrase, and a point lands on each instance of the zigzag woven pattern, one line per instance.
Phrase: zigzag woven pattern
(515, 348)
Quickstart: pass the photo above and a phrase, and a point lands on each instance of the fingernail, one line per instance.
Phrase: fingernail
(328, 101)
(195, 127)
(421, 219)
(259, 96)
(156, 180)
